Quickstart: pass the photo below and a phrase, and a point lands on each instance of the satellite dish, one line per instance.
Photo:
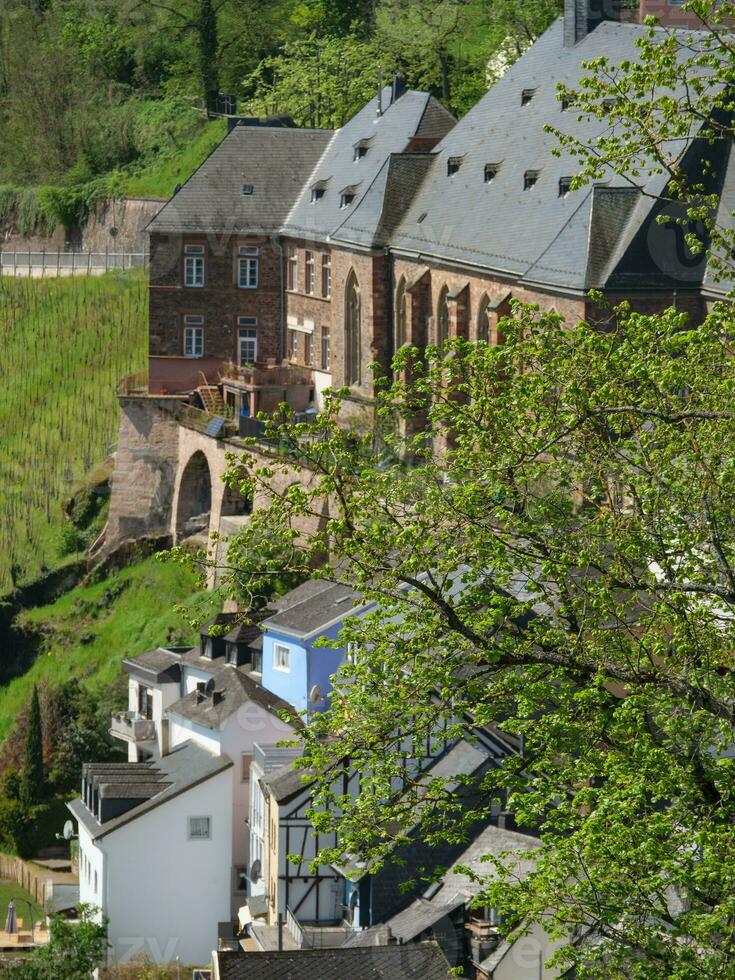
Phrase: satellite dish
(255, 871)
(315, 694)
(69, 830)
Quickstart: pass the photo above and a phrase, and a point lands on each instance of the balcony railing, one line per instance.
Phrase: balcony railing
(131, 728)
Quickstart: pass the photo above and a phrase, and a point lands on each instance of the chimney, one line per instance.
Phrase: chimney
(217, 697)
(398, 88)
(581, 17)
(164, 738)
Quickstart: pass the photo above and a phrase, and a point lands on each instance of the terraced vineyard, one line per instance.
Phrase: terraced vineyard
(65, 344)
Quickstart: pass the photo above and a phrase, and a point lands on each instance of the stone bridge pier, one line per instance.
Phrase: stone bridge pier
(168, 480)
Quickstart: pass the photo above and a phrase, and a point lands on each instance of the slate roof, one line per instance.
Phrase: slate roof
(285, 782)
(312, 606)
(415, 115)
(537, 235)
(185, 767)
(424, 960)
(161, 664)
(273, 159)
(456, 888)
(236, 689)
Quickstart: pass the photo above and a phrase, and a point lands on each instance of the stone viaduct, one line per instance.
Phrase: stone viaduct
(168, 478)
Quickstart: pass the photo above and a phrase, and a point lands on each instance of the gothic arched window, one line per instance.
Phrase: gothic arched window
(400, 316)
(353, 331)
(442, 318)
(484, 315)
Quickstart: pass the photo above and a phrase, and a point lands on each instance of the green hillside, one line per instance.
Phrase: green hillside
(87, 633)
(66, 344)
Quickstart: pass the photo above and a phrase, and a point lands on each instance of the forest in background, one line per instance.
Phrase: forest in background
(100, 98)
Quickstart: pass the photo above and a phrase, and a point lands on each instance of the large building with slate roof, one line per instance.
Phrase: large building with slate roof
(323, 251)
(293, 260)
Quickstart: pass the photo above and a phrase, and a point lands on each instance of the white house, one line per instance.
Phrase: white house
(155, 844)
(164, 838)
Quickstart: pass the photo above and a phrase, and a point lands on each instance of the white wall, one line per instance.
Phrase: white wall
(183, 730)
(249, 724)
(194, 676)
(322, 380)
(165, 893)
(91, 860)
(526, 958)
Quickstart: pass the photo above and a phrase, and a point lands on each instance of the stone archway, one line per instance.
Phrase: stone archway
(194, 498)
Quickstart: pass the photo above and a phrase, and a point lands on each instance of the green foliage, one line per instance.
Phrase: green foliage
(86, 634)
(32, 780)
(76, 949)
(564, 569)
(66, 345)
(320, 82)
(101, 98)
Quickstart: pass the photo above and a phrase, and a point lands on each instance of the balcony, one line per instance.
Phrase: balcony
(130, 727)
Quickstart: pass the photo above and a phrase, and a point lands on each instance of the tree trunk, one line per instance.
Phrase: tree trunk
(207, 43)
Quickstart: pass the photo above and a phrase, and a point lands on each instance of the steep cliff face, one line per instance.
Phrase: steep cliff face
(114, 225)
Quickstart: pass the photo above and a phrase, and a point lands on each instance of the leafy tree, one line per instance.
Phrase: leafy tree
(32, 777)
(318, 81)
(75, 950)
(677, 88)
(564, 569)
(424, 32)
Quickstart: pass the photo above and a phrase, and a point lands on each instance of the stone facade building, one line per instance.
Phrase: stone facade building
(293, 260)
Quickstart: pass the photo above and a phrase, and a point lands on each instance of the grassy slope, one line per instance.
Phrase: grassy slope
(175, 164)
(90, 630)
(66, 343)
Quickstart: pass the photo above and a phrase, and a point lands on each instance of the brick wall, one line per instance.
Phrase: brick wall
(303, 307)
(220, 301)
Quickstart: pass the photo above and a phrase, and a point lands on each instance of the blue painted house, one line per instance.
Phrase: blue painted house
(295, 667)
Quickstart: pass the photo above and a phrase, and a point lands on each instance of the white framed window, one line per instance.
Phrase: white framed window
(194, 266)
(281, 657)
(310, 273)
(293, 268)
(193, 336)
(247, 267)
(327, 276)
(326, 351)
(351, 653)
(200, 828)
(247, 340)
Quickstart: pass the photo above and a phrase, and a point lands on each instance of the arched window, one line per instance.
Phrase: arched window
(353, 331)
(400, 315)
(484, 315)
(442, 318)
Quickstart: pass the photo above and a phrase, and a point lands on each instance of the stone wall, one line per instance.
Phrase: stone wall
(146, 464)
(129, 217)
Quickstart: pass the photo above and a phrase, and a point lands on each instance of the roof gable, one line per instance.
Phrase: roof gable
(272, 160)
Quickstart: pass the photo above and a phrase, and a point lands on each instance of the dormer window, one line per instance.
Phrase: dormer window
(346, 199)
(361, 149)
(526, 95)
(453, 165)
(530, 179)
(491, 172)
(317, 193)
(565, 185)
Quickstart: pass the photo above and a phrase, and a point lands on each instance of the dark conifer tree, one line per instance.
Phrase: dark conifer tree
(32, 780)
